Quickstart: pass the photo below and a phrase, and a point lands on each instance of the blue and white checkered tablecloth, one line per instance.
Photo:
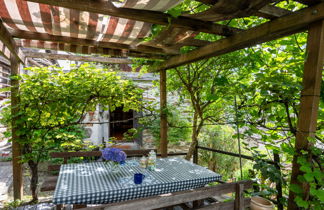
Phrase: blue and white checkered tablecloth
(94, 183)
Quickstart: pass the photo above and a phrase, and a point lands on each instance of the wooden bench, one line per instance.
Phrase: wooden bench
(168, 201)
(50, 181)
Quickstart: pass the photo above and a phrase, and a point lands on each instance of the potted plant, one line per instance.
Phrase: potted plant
(259, 203)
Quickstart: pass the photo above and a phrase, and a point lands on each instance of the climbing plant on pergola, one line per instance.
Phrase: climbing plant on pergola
(118, 29)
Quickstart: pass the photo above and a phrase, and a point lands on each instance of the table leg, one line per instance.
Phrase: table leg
(59, 207)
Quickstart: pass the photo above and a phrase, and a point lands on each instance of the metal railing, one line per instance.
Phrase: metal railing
(275, 162)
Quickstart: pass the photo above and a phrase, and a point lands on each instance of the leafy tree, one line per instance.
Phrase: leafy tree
(267, 81)
(204, 83)
(52, 103)
(269, 104)
(221, 138)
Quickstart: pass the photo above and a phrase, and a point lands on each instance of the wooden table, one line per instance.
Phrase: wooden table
(94, 183)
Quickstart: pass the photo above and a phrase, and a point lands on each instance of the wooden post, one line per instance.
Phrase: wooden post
(163, 116)
(16, 148)
(196, 203)
(239, 197)
(309, 104)
(276, 159)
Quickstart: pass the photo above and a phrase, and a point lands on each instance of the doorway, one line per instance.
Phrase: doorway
(120, 122)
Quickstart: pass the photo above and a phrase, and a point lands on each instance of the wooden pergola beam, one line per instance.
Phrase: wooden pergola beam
(268, 11)
(9, 43)
(272, 12)
(33, 63)
(17, 171)
(271, 30)
(309, 105)
(107, 8)
(163, 116)
(107, 51)
(310, 2)
(16, 57)
(77, 58)
(87, 42)
(4, 51)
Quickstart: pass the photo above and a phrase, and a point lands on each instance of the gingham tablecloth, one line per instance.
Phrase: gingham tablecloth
(94, 183)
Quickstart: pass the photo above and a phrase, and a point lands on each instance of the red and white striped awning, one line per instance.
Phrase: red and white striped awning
(42, 18)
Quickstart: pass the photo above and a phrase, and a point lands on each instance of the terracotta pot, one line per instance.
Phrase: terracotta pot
(258, 203)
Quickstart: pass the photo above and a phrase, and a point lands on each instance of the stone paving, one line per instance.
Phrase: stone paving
(5, 180)
(40, 206)
(5, 167)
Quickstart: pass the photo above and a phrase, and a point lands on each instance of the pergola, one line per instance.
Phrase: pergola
(118, 28)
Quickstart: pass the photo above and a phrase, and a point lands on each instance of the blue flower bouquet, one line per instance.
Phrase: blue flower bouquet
(114, 155)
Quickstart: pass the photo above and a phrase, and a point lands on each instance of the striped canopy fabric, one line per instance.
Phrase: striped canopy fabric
(46, 19)
(117, 27)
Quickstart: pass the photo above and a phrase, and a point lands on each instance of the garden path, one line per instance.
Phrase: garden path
(5, 180)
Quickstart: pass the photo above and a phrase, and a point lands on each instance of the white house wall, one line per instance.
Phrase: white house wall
(96, 126)
(96, 123)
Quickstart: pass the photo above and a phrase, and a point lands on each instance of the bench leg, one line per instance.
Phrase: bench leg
(59, 207)
(79, 206)
(197, 204)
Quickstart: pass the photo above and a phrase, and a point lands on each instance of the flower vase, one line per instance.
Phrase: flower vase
(114, 167)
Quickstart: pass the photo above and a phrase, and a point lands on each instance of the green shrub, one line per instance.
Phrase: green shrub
(219, 137)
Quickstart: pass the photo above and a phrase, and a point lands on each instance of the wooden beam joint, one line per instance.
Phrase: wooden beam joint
(7, 40)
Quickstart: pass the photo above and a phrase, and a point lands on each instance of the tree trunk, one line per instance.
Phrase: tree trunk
(34, 179)
(194, 137)
(212, 165)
